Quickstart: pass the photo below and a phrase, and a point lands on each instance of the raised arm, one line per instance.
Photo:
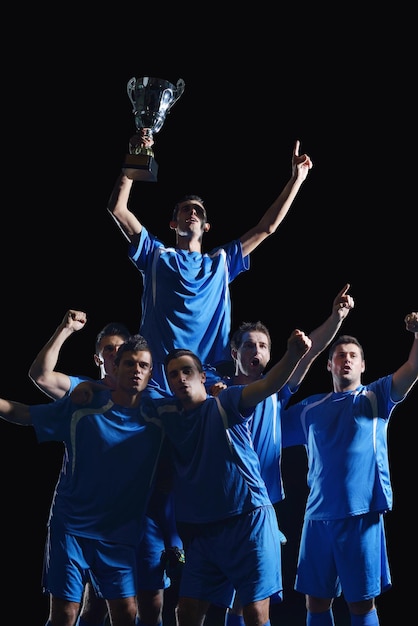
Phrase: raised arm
(322, 336)
(42, 371)
(118, 208)
(253, 393)
(275, 214)
(14, 412)
(407, 375)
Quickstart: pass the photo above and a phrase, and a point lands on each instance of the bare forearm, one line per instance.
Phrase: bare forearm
(47, 358)
(323, 335)
(272, 218)
(301, 164)
(321, 338)
(14, 412)
(255, 392)
(413, 355)
(118, 207)
(280, 373)
(407, 375)
(119, 198)
(280, 207)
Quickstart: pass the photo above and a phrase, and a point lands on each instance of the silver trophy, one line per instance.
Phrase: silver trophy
(151, 98)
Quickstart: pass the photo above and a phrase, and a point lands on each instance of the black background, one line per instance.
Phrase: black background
(255, 82)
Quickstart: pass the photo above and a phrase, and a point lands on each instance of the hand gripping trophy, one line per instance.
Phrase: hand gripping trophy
(152, 98)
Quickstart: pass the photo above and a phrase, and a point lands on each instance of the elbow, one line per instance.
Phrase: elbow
(117, 212)
(33, 374)
(37, 378)
(269, 229)
(112, 210)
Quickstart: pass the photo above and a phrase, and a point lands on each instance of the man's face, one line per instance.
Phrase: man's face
(253, 354)
(185, 380)
(134, 371)
(346, 365)
(108, 347)
(191, 217)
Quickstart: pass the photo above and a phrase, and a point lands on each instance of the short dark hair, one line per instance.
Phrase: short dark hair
(112, 329)
(344, 339)
(185, 199)
(247, 327)
(134, 343)
(178, 352)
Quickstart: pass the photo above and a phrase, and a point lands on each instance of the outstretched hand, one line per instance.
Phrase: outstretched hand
(343, 302)
(142, 139)
(411, 321)
(74, 320)
(217, 387)
(299, 343)
(301, 164)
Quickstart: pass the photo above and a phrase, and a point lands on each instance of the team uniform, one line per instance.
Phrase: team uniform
(343, 546)
(97, 514)
(151, 568)
(186, 301)
(223, 509)
(266, 434)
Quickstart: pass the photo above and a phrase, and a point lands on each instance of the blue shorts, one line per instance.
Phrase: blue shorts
(241, 553)
(151, 573)
(346, 555)
(71, 561)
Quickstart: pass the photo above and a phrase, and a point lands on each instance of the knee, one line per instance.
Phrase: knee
(150, 606)
(317, 605)
(362, 607)
(190, 611)
(257, 613)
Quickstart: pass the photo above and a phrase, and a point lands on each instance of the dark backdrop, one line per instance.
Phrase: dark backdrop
(255, 83)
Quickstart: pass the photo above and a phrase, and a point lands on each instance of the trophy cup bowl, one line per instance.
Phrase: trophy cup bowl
(152, 99)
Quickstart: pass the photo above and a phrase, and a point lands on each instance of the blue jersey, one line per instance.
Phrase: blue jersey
(346, 438)
(186, 299)
(266, 433)
(217, 470)
(109, 463)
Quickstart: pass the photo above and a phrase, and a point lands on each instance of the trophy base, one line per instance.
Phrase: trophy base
(140, 167)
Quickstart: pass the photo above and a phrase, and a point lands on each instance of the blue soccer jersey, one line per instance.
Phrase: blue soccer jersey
(217, 470)
(266, 434)
(186, 301)
(109, 463)
(346, 438)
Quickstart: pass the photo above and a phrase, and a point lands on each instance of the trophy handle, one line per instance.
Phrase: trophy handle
(180, 85)
(180, 88)
(131, 90)
(168, 98)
